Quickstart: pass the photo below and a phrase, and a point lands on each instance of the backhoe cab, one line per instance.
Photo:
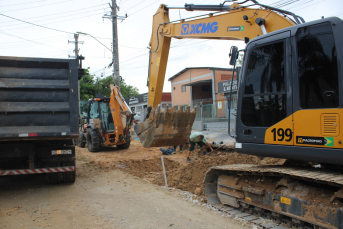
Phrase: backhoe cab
(105, 122)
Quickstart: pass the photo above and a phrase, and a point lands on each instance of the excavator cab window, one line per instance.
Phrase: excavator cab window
(317, 67)
(264, 99)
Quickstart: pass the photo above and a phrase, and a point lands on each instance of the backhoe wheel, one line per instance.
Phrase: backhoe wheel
(127, 144)
(81, 141)
(93, 140)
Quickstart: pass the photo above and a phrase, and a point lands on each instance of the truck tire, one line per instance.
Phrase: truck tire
(127, 144)
(69, 177)
(93, 140)
(54, 178)
(81, 141)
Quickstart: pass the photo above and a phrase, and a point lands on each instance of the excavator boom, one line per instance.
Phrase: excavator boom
(166, 126)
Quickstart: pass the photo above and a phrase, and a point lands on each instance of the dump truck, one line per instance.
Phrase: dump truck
(39, 117)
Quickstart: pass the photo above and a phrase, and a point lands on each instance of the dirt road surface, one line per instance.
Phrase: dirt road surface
(115, 189)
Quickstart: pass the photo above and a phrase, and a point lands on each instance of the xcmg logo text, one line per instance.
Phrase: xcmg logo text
(199, 28)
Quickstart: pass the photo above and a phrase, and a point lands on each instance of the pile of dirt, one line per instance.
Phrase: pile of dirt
(146, 164)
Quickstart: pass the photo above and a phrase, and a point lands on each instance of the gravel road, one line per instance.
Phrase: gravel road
(99, 199)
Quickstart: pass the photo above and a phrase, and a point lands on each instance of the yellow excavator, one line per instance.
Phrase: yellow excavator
(289, 106)
(164, 127)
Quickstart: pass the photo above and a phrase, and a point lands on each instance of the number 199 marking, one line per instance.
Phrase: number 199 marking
(282, 134)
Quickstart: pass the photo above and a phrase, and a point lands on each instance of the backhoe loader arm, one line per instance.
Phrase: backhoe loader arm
(121, 114)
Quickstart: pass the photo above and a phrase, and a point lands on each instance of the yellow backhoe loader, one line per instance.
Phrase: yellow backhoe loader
(106, 122)
(289, 106)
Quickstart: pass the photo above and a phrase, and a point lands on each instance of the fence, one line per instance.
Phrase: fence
(215, 115)
(211, 116)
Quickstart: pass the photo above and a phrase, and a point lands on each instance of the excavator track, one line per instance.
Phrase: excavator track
(297, 196)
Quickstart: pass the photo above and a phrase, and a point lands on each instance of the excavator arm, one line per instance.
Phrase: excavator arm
(166, 127)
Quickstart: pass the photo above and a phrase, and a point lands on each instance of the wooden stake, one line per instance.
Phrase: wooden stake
(164, 172)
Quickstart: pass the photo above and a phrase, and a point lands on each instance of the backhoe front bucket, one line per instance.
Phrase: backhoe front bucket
(166, 127)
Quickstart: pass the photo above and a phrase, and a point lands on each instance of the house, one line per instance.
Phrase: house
(208, 85)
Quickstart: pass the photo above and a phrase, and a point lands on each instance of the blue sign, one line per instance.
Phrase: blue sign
(200, 28)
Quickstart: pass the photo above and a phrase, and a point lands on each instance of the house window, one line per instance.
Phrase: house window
(184, 107)
(183, 88)
(174, 88)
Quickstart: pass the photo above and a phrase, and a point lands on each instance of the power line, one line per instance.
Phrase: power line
(144, 7)
(135, 5)
(53, 17)
(22, 3)
(39, 39)
(37, 6)
(36, 24)
(97, 14)
(131, 47)
(309, 5)
(21, 44)
(64, 12)
(28, 40)
(87, 34)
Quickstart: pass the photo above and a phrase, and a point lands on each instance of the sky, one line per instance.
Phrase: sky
(44, 28)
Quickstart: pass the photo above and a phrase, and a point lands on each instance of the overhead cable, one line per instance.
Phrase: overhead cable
(29, 40)
(79, 9)
(37, 6)
(36, 24)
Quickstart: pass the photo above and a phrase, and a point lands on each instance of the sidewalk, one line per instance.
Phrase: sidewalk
(218, 136)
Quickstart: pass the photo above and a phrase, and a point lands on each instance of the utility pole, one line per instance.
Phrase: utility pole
(80, 58)
(76, 42)
(115, 45)
(115, 51)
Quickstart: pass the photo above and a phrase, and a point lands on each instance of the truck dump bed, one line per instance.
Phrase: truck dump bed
(38, 98)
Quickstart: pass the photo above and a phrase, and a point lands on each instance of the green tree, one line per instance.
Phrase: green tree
(102, 86)
(87, 89)
(128, 90)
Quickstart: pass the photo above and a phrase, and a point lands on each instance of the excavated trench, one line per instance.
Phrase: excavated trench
(180, 174)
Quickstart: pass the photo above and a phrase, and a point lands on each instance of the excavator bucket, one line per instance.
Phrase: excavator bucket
(166, 127)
